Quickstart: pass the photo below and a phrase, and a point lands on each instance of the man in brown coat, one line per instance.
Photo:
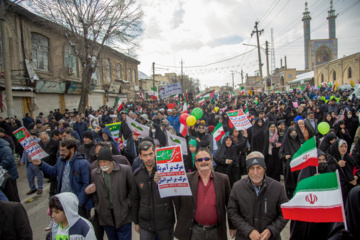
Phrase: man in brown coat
(203, 215)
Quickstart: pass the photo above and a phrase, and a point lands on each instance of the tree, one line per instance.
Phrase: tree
(89, 25)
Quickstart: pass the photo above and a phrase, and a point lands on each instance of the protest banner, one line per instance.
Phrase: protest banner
(137, 128)
(114, 129)
(171, 89)
(29, 144)
(94, 122)
(170, 165)
(239, 119)
(174, 140)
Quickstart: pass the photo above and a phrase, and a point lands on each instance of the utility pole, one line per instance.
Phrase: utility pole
(153, 68)
(182, 75)
(267, 58)
(258, 32)
(6, 61)
(233, 73)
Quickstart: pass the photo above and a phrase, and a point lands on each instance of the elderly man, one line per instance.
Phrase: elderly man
(254, 205)
(203, 215)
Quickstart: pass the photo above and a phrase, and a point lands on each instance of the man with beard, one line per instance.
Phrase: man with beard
(88, 148)
(203, 215)
(72, 170)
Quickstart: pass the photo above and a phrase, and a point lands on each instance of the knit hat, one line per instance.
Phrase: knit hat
(88, 134)
(193, 142)
(255, 161)
(105, 154)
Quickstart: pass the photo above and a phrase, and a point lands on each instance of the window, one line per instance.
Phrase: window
(40, 51)
(322, 77)
(108, 70)
(71, 61)
(349, 72)
(118, 71)
(334, 76)
(134, 77)
(290, 76)
(129, 76)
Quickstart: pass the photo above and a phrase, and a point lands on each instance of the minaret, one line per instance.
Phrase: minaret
(306, 19)
(331, 18)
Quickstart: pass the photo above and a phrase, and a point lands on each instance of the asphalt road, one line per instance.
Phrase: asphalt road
(37, 205)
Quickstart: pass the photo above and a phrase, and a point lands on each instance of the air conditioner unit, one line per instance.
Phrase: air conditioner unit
(70, 71)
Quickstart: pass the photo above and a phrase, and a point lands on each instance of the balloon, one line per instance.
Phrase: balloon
(183, 118)
(216, 109)
(323, 128)
(197, 113)
(191, 120)
(256, 101)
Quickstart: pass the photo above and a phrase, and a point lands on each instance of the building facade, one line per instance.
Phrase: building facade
(46, 74)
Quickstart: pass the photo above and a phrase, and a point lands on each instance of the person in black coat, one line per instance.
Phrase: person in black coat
(124, 130)
(271, 152)
(257, 135)
(327, 141)
(227, 158)
(14, 221)
(306, 230)
(343, 133)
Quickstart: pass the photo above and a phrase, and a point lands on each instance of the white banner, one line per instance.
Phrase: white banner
(137, 128)
(239, 119)
(168, 90)
(174, 140)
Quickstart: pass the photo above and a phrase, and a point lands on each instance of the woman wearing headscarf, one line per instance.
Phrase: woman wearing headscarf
(339, 159)
(327, 141)
(290, 145)
(238, 138)
(225, 122)
(343, 133)
(190, 158)
(305, 133)
(227, 158)
(257, 136)
(290, 116)
(306, 230)
(352, 217)
(271, 152)
(204, 139)
(351, 123)
(328, 119)
(319, 115)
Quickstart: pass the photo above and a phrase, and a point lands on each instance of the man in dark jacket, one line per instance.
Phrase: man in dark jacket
(80, 127)
(7, 138)
(254, 204)
(27, 120)
(113, 186)
(88, 148)
(203, 215)
(151, 214)
(7, 160)
(124, 128)
(72, 170)
(271, 115)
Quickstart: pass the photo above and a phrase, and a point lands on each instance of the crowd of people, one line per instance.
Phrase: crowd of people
(236, 182)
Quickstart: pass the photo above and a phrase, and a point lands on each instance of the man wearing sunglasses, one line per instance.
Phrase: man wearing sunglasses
(203, 215)
(254, 205)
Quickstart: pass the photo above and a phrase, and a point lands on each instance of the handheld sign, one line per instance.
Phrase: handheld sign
(29, 144)
(170, 165)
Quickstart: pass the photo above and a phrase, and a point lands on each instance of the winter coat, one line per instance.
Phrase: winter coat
(27, 121)
(80, 128)
(88, 150)
(52, 149)
(149, 210)
(10, 140)
(79, 176)
(14, 222)
(124, 131)
(248, 212)
(175, 122)
(122, 185)
(115, 149)
(7, 160)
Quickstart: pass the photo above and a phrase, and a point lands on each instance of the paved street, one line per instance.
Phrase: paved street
(37, 205)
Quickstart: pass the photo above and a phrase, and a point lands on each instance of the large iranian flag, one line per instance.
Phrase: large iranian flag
(305, 156)
(154, 93)
(316, 199)
(218, 132)
(119, 105)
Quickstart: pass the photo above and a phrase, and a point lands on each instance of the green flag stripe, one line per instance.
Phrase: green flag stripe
(322, 182)
(306, 147)
(219, 125)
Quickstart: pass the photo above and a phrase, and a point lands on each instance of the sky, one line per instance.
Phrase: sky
(204, 33)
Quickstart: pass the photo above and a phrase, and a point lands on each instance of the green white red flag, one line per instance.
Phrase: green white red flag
(119, 105)
(208, 95)
(154, 93)
(316, 199)
(218, 132)
(201, 101)
(305, 156)
(141, 96)
(199, 95)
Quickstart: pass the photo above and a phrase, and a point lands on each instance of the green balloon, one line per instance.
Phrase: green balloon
(197, 113)
(256, 101)
(323, 128)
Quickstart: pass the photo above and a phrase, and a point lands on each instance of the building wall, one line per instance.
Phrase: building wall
(341, 68)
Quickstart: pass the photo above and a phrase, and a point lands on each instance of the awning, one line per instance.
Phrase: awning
(301, 78)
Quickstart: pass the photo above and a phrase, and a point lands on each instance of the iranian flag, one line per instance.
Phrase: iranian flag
(316, 199)
(119, 105)
(242, 91)
(201, 101)
(154, 93)
(183, 130)
(185, 106)
(305, 156)
(141, 95)
(198, 96)
(218, 132)
(137, 128)
(140, 110)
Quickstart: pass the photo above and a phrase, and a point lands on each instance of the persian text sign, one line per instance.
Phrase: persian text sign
(168, 90)
(114, 129)
(29, 144)
(170, 165)
(239, 119)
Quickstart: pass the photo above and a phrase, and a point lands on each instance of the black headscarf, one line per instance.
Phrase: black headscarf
(225, 151)
(325, 144)
(257, 136)
(289, 145)
(331, 122)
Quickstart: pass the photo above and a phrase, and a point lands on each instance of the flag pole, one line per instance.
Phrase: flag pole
(317, 170)
(342, 201)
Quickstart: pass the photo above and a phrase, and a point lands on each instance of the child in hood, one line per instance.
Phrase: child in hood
(68, 225)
